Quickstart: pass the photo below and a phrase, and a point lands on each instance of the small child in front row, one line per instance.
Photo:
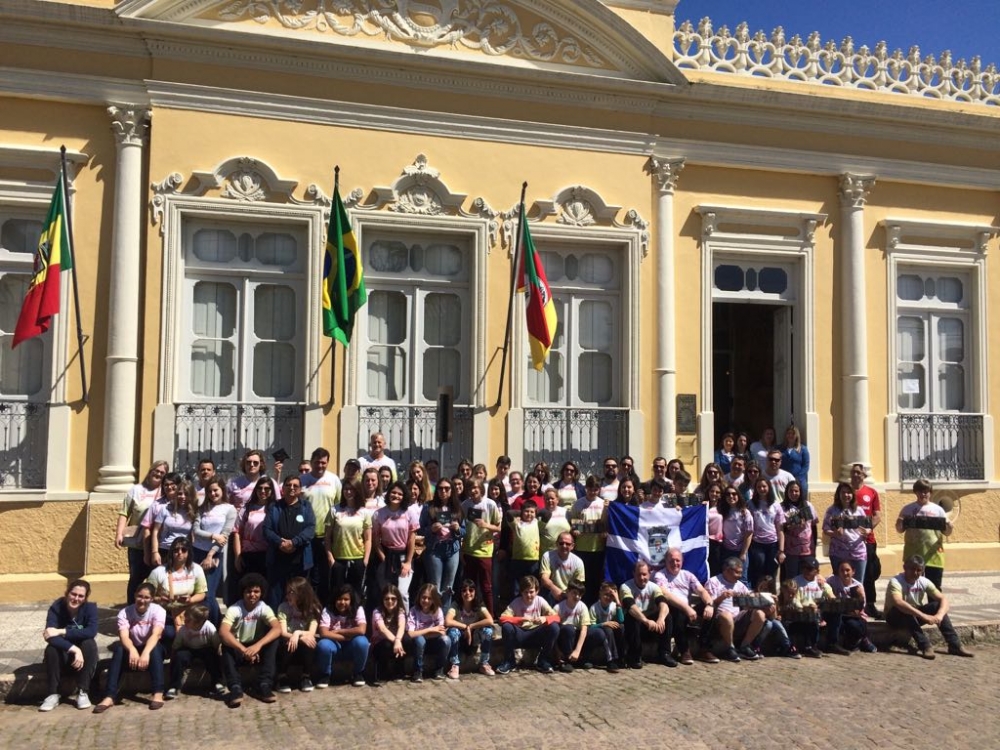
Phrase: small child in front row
(388, 631)
(529, 622)
(197, 638)
(773, 626)
(607, 615)
(425, 631)
(576, 638)
(469, 622)
(525, 543)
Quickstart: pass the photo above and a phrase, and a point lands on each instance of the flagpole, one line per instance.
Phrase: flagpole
(333, 342)
(76, 287)
(513, 293)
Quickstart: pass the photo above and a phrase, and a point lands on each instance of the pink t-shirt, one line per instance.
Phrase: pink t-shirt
(799, 531)
(735, 527)
(683, 584)
(333, 621)
(717, 585)
(419, 620)
(377, 635)
(250, 527)
(766, 522)
(149, 518)
(714, 525)
(393, 527)
(241, 488)
(140, 627)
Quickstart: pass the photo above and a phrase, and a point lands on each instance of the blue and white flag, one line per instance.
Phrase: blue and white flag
(647, 533)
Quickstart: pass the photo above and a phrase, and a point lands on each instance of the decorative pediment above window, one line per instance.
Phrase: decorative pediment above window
(937, 237)
(553, 34)
(243, 179)
(581, 206)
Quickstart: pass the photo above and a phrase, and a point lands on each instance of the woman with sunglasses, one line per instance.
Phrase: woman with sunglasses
(737, 527)
(568, 485)
(442, 525)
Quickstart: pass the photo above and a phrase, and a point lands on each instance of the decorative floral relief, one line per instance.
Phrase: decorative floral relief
(487, 25)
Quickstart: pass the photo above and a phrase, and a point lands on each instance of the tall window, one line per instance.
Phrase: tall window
(584, 367)
(24, 379)
(417, 320)
(932, 341)
(244, 324)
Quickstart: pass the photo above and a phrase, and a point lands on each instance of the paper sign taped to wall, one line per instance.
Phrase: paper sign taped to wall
(911, 386)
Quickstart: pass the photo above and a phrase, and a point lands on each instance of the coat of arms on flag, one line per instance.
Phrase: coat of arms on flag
(636, 533)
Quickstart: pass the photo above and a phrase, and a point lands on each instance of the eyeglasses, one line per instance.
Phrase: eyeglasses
(444, 487)
(253, 463)
(467, 589)
(390, 598)
(774, 458)
(565, 544)
(610, 466)
(659, 467)
(295, 486)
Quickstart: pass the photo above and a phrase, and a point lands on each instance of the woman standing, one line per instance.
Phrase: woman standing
(70, 629)
(349, 540)
(129, 533)
(249, 543)
(847, 536)
(767, 549)
(795, 457)
(175, 519)
(394, 538)
(210, 532)
(737, 527)
(241, 487)
(760, 448)
(800, 529)
(442, 525)
(724, 456)
(140, 626)
(569, 488)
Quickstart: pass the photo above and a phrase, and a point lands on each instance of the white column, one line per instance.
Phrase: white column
(130, 124)
(665, 173)
(853, 429)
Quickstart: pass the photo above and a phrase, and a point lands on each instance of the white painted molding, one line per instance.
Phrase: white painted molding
(812, 62)
(244, 178)
(657, 7)
(910, 235)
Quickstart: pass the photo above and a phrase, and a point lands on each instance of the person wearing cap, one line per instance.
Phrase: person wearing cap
(321, 488)
(352, 470)
(912, 601)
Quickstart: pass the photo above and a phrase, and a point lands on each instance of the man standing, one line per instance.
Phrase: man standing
(924, 525)
(646, 611)
(911, 601)
(322, 489)
(868, 500)
(206, 472)
(376, 455)
(778, 477)
(289, 528)
(609, 487)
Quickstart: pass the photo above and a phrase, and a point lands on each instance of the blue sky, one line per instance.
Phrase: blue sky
(966, 27)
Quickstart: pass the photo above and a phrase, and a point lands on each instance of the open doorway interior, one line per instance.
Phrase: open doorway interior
(752, 373)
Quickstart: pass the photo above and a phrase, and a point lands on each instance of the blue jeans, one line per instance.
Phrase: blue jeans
(763, 561)
(567, 641)
(213, 578)
(119, 662)
(440, 567)
(328, 651)
(483, 636)
(437, 647)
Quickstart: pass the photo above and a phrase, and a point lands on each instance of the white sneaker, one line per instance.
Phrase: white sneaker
(50, 702)
(82, 701)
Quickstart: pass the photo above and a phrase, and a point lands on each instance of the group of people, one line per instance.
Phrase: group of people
(367, 569)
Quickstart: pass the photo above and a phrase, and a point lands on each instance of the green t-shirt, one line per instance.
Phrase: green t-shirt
(349, 533)
(526, 540)
(246, 625)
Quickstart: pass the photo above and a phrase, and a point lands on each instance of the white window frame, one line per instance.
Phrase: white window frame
(177, 210)
(940, 248)
(32, 199)
(474, 233)
(782, 238)
(629, 244)
(245, 283)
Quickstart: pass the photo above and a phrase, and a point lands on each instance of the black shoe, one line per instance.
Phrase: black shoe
(637, 664)
(730, 655)
(235, 698)
(959, 651)
(613, 666)
(836, 648)
(668, 660)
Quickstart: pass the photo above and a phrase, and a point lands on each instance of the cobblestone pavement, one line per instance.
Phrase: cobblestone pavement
(884, 700)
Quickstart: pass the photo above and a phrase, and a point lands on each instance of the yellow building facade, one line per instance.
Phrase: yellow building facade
(739, 232)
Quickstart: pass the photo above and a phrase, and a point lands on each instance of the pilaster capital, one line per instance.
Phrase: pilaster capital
(129, 123)
(665, 172)
(854, 189)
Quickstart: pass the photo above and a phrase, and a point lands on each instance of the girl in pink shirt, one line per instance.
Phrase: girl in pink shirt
(425, 631)
(388, 631)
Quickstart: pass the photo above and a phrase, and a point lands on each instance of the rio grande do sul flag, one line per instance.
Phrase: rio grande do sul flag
(541, 311)
(52, 257)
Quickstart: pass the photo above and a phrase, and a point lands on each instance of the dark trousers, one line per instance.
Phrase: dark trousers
(567, 641)
(635, 631)
(437, 647)
(57, 661)
(848, 629)
(278, 576)
(251, 562)
(319, 573)
(543, 638)
(935, 576)
(903, 621)
(138, 572)
(303, 656)
(519, 569)
(593, 569)
(763, 561)
(119, 662)
(804, 634)
(348, 571)
(679, 628)
(182, 659)
(873, 571)
(213, 578)
(386, 664)
(232, 659)
(480, 570)
(714, 557)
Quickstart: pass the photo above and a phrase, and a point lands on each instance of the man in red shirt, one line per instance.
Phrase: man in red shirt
(868, 500)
